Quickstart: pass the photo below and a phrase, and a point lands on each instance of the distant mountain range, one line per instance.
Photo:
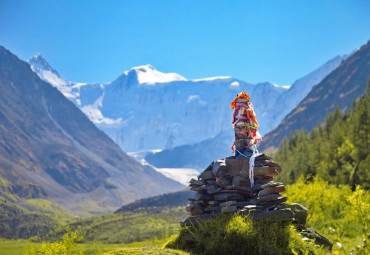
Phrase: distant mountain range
(339, 89)
(50, 149)
(199, 155)
(146, 109)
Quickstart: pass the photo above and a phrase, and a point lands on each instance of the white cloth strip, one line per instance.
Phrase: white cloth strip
(251, 164)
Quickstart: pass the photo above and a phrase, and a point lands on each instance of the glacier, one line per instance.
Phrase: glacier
(145, 109)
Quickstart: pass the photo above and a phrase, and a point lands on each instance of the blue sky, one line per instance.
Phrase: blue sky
(95, 41)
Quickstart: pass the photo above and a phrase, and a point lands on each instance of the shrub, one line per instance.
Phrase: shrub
(65, 247)
(235, 234)
(336, 212)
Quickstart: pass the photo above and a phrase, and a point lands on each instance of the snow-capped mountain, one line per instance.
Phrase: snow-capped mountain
(40, 66)
(147, 109)
(146, 74)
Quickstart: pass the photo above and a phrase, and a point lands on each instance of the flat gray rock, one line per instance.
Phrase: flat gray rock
(229, 209)
(271, 184)
(268, 197)
(272, 190)
(228, 196)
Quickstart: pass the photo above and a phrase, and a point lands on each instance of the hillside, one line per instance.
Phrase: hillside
(338, 151)
(345, 84)
(50, 149)
(158, 203)
(16, 222)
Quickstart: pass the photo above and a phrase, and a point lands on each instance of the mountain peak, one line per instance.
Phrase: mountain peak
(44, 70)
(144, 68)
(147, 74)
(37, 61)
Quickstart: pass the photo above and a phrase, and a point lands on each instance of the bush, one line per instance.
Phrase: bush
(336, 212)
(235, 234)
(65, 247)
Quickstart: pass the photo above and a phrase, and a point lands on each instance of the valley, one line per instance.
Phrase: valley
(57, 182)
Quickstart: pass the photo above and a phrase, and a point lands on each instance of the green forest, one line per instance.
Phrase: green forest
(337, 150)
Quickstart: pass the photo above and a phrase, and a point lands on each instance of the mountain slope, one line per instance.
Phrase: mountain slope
(198, 155)
(49, 148)
(289, 99)
(339, 88)
(343, 155)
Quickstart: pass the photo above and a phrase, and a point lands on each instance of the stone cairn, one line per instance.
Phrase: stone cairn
(229, 186)
(225, 187)
(242, 183)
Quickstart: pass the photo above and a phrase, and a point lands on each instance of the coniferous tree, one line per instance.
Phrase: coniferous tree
(338, 150)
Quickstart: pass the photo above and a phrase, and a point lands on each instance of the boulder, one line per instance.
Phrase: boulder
(300, 214)
(316, 237)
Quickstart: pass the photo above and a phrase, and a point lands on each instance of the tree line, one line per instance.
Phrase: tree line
(337, 151)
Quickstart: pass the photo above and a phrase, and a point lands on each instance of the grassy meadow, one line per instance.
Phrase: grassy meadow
(154, 247)
(336, 212)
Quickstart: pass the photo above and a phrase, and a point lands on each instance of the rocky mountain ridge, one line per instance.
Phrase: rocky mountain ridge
(339, 89)
(50, 149)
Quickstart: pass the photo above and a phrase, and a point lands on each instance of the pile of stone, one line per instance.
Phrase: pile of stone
(225, 187)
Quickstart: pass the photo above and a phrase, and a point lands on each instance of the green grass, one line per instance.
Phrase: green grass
(154, 247)
(46, 206)
(336, 212)
(12, 247)
(146, 251)
(127, 227)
